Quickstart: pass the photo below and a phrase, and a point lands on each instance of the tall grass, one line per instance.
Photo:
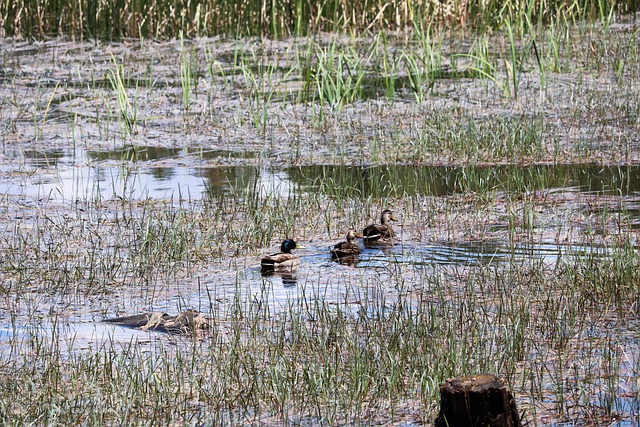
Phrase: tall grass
(165, 19)
(128, 112)
(339, 76)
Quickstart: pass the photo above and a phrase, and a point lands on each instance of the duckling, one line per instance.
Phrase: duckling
(283, 260)
(348, 248)
(383, 232)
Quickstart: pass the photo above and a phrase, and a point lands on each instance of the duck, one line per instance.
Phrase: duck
(383, 232)
(348, 248)
(283, 261)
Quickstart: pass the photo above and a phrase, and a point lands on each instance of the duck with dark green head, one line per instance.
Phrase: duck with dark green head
(283, 261)
(380, 233)
(347, 249)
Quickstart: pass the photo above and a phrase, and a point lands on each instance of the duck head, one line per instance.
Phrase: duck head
(386, 217)
(288, 245)
(352, 235)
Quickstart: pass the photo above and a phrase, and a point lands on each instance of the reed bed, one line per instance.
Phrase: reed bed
(158, 19)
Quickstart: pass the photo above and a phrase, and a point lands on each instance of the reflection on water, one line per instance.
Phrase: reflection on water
(318, 268)
(135, 173)
(135, 154)
(380, 181)
(39, 159)
(485, 253)
(349, 260)
(464, 254)
(79, 174)
(77, 335)
(288, 279)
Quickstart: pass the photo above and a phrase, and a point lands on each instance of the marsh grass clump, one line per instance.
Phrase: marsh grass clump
(241, 224)
(338, 76)
(165, 240)
(127, 111)
(479, 141)
(188, 74)
(609, 279)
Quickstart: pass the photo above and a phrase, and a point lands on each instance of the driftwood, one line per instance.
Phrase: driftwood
(188, 322)
(477, 401)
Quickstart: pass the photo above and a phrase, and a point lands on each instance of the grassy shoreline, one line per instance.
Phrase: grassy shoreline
(160, 19)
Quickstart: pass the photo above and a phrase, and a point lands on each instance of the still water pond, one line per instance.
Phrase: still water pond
(178, 173)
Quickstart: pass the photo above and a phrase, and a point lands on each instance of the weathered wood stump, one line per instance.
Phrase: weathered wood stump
(477, 401)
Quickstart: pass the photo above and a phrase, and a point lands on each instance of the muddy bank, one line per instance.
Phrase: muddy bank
(249, 102)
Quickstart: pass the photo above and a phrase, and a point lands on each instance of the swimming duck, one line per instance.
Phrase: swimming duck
(383, 232)
(348, 248)
(283, 260)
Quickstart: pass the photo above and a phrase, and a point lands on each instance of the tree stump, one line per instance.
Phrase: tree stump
(477, 401)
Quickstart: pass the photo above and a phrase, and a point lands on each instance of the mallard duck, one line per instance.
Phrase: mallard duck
(283, 260)
(348, 248)
(382, 232)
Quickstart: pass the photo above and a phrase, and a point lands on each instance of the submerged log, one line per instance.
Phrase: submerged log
(477, 401)
(188, 322)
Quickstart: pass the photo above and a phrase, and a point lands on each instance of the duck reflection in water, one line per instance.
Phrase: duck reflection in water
(289, 280)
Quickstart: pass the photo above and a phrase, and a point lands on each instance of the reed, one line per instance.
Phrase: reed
(339, 76)
(164, 19)
(128, 114)
(187, 75)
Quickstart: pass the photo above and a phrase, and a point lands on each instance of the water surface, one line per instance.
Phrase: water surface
(140, 173)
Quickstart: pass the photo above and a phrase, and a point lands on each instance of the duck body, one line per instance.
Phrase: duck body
(346, 249)
(380, 233)
(283, 261)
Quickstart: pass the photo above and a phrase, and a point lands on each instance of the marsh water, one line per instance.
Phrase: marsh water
(137, 174)
(140, 173)
(77, 170)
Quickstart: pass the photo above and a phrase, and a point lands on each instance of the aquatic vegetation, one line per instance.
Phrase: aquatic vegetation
(158, 18)
(154, 182)
(127, 112)
(186, 76)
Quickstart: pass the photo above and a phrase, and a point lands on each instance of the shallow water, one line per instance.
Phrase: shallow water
(142, 173)
(71, 336)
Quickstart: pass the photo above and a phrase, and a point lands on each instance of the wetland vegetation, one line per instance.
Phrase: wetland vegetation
(151, 174)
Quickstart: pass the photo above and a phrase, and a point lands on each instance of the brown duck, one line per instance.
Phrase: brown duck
(348, 248)
(378, 233)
